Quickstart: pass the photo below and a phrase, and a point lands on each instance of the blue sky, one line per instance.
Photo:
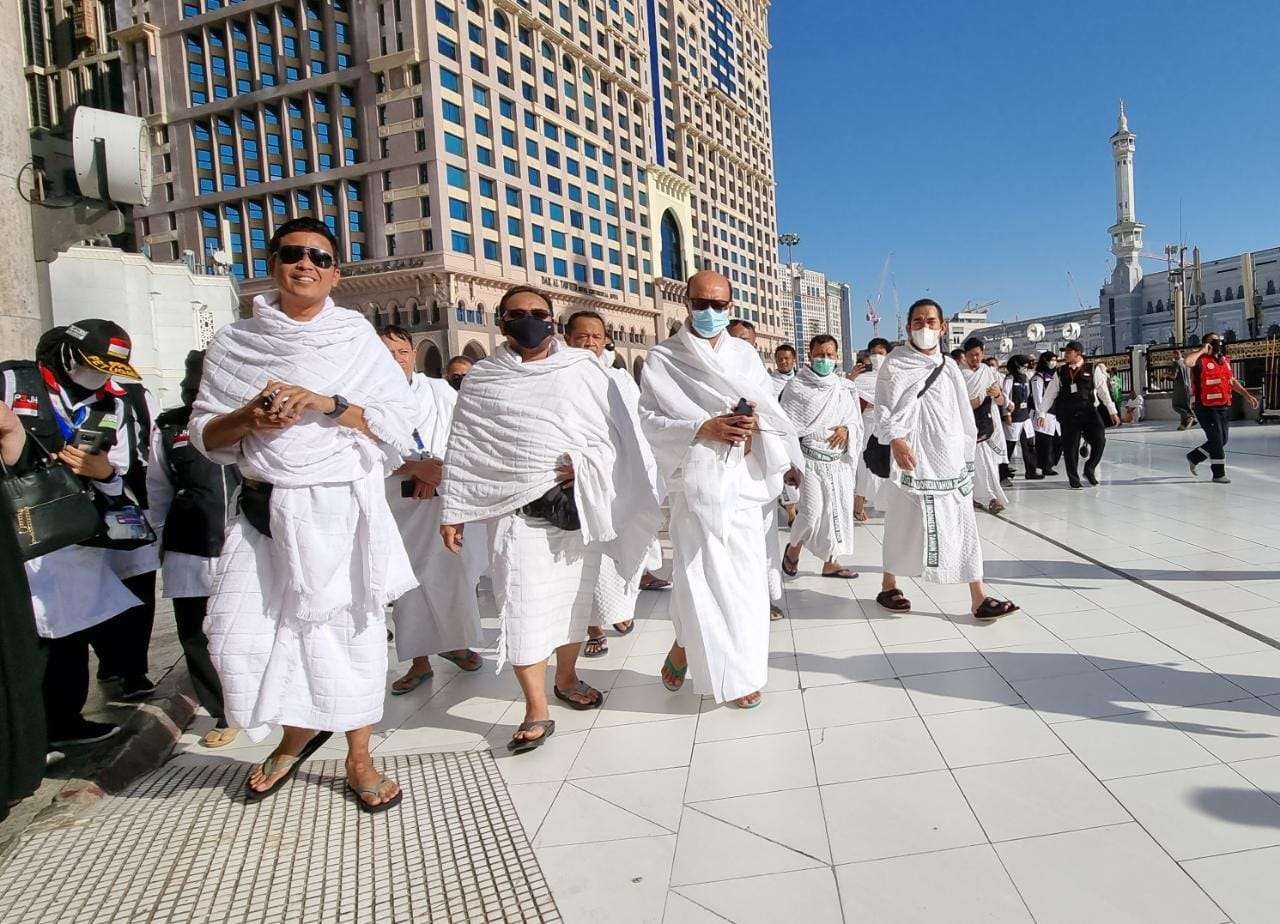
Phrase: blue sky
(971, 140)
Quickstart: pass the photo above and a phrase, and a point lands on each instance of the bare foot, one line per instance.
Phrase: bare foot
(372, 787)
(267, 773)
(751, 699)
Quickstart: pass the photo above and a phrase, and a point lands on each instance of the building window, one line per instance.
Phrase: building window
(672, 252)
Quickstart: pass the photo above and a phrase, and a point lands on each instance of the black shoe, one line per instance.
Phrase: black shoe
(133, 689)
(1034, 476)
(105, 679)
(1076, 485)
(85, 732)
(1093, 479)
(1006, 482)
(1051, 473)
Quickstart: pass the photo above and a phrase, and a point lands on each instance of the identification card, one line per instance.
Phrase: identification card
(1074, 388)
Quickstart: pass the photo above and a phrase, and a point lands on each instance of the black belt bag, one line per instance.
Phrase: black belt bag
(255, 505)
(558, 507)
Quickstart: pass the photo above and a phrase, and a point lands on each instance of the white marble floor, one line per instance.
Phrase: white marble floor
(1107, 754)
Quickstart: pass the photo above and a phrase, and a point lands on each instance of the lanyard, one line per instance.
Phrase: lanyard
(59, 402)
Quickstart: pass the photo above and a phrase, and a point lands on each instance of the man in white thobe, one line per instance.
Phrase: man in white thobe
(544, 449)
(307, 402)
(616, 595)
(924, 415)
(825, 412)
(440, 616)
(723, 446)
(985, 388)
(784, 361)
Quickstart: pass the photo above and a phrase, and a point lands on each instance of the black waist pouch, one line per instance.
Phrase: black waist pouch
(558, 507)
(255, 505)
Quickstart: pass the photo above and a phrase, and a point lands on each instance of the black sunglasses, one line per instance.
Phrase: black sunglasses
(293, 253)
(719, 304)
(515, 314)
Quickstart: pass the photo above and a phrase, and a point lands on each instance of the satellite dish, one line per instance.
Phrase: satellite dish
(1070, 330)
(221, 257)
(112, 156)
(1006, 345)
(1035, 332)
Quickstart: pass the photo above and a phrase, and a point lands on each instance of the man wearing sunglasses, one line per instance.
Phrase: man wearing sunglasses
(723, 446)
(307, 402)
(543, 448)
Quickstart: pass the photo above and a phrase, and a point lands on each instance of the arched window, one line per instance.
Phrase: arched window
(1217, 296)
(566, 62)
(393, 311)
(500, 21)
(1271, 287)
(475, 7)
(1150, 307)
(547, 52)
(672, 249)
(474, 351)
(430, 362)
(1159, 306)
(415, 314)
(375, 315)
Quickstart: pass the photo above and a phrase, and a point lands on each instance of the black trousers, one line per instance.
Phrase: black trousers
(189, 613)
(123, 641)
(1216, 424)
(1087, 425)
(1048, 451)
(66, 681)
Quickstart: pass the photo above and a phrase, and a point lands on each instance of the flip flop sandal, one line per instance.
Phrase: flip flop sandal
(847, 574)
(595, 647)
(893, 600)
(524, 745)
(790, 566)
(376, 791)
(775, 613)
(219, 737)
(415, 681)
(991, 608)
(677, 672)
(628, 623)
(583, 689)
(860, 516)
(655, 584)
(469, 662)
(741, 705)
(273, 764)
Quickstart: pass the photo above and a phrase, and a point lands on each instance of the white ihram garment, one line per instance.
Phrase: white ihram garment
(514, 423)
(616, 594)
(930, 530)
(870, 487)
(295, 625)
(989, 453)
(720, 597)
(441, 613)
(790, 495)
(817, 404)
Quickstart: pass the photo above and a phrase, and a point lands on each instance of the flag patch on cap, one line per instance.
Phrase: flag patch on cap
(118, 348)
(182, 439)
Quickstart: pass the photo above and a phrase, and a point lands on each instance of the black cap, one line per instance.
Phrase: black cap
(195, 367)
(1075, 346)
(103, 346)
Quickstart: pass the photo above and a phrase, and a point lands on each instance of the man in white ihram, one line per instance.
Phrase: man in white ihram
(986, 390)
(308, 403)
(923, 414)
(543, 447)
(441, 616)
(721, 466)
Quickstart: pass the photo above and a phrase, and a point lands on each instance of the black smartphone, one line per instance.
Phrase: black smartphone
(90, 441)
(744, 408)
(406, 488)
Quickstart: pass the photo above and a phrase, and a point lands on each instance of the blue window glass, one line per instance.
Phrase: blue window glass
(348, 127)
(535, 178)
(575, 219)
(593, 201)
(461, 242)
(553, 158)
(447, 48)
(557, 239)
(560, 267)
(204, 158)
(456, 176)
(459, 210)
(579, 247)
(480, 95)
(615, 257)
(510, 167)
(531, 147)
(325, 161)
(554, 186)
(355, 220)
(292, 73)
(596, 226)
(449, 80)
(571, 164)
(199, 97)
(273, 144)
(557, 211)
(539, 234)
(357, 250)
(535, 204)
(275, 171)
(475, 33)
(579, 272)
(540, 262)
(453, 144)
(489, 219)
(597, 277)
(483, 127)
(490, 249)
(507, 108)
(597, 252)
(209, 218)
(230, 181)
(513, 197)
(508, 138)
(517, 256)
(513, 227)
(551, 130)
(252, 175)
(279, 206)
(259, 267)
(249, 149)
(445, 16)
(200, 130)
(487, 188)
(290, 46)
(451, 111)
(342, 61)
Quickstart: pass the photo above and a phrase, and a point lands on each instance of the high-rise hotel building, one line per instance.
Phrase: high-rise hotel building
(602, 149)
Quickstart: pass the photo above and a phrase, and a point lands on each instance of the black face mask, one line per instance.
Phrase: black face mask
(528, 332)
(455, 381)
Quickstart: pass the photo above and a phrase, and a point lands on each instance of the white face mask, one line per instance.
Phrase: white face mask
(87, 378)
(926, 338)
(876, 360)
(608, 357)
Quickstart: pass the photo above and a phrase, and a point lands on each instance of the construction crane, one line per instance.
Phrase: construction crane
(873, 316)
(1076, 289)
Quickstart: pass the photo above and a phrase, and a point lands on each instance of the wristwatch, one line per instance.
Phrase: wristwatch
(340, 405)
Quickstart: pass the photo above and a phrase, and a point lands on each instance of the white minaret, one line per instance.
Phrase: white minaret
(1126, 233)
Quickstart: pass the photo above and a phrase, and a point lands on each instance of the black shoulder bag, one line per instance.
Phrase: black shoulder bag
(558, 507)
(48, 507)
(876, 455)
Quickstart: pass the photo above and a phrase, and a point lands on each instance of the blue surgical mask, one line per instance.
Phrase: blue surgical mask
(707, 322)
(823, 366)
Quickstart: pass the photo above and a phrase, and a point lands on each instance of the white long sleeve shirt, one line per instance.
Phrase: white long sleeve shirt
(1101, 391)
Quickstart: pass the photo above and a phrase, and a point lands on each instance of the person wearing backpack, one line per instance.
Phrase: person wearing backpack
(70, 407)
(1019, 408)
(1214, 384)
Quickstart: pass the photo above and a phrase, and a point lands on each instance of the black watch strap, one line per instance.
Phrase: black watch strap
(340, 405)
